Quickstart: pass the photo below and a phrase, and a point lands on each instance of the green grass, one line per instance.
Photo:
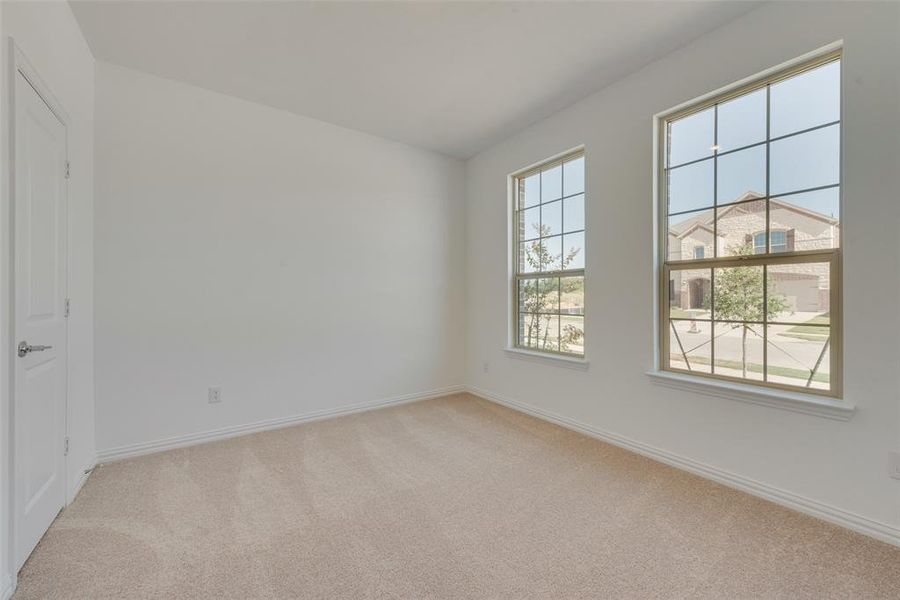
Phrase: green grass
(757, 368)
(811, 327)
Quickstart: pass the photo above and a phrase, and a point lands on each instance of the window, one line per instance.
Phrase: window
(759, 243)
(778, 241)
(753, 178)
(548, 290)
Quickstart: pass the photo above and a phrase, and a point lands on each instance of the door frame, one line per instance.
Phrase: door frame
(17, 63)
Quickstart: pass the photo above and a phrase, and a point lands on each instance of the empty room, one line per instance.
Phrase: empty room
(449, 299)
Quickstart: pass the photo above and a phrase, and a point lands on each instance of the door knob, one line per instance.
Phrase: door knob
(24, 348)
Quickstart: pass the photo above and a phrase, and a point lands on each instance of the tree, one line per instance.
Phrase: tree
(571, 334)
(739, 296)
(541, 295)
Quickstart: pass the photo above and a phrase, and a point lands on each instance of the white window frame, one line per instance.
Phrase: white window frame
(663, 371)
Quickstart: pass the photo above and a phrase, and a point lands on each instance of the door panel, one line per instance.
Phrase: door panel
(42, 245)
(38, 385)
(39, 289)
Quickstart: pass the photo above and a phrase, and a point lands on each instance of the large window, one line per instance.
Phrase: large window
(753, 177)
(548, 287)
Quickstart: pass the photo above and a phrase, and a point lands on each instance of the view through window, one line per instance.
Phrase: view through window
(549, 257)
(751, 197)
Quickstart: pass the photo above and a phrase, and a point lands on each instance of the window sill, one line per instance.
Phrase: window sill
(821, 406)
(570, 362)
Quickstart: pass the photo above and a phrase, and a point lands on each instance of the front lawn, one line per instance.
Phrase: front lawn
(802, 374)
(813, 326)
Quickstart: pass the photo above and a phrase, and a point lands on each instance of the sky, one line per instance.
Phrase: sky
(799, 162)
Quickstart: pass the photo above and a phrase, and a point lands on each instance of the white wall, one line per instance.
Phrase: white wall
(48, 35)
(298, 265)
(274, 255)
(840, 464)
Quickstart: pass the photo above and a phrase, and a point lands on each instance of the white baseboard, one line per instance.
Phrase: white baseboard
(82, 478)
(192, 439)
(880, 531)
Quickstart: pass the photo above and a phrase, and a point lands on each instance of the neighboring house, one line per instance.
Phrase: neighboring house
(793, 228)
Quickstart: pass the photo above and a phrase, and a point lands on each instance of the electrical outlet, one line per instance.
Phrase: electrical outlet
(215, 395)
(486, 366)
(895, 465)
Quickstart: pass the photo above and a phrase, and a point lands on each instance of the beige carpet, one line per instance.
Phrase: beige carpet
(449, 498)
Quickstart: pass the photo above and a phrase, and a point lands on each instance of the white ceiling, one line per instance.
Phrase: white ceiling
(454, 77)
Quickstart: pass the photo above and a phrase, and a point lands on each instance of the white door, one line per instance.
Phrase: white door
(39, 316)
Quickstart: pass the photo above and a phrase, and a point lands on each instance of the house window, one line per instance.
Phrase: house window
(754, 175)
(549, 227)
(759, 243)
(778, 241)
(699, 251)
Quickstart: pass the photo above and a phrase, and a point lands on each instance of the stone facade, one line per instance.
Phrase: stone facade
(805, 286)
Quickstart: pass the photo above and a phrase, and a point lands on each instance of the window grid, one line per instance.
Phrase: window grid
(774, 254)
(552, 275)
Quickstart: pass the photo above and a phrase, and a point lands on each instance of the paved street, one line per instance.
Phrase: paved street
(785, 351)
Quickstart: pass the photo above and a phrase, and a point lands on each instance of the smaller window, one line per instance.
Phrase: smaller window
(699, 252)
(549, 230)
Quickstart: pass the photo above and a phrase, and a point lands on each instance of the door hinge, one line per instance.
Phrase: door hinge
(66, 446)
(68, 309)
(68, 170)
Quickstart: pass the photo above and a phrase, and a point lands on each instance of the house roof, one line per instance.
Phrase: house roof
(705, 218)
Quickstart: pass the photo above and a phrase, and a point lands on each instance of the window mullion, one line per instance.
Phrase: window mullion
(715, 241)
(712, 321)
(765, 315)
(765, 357)
(800, 257)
